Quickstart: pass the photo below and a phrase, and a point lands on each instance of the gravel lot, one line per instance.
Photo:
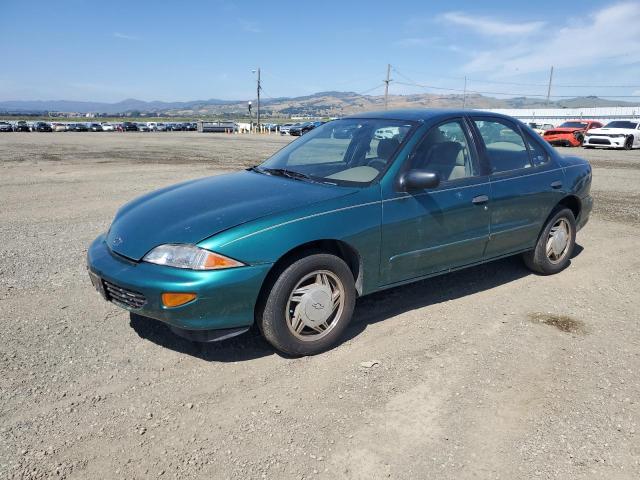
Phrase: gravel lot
(487, 373)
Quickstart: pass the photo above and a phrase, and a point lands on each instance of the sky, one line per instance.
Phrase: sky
(180, 51)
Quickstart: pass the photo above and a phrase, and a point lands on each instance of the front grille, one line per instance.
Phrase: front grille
(600, 141)
(124, 297)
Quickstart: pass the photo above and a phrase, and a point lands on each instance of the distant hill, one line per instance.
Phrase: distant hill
(321, 104)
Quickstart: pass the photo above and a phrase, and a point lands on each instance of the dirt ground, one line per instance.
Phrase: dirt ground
(491, 372)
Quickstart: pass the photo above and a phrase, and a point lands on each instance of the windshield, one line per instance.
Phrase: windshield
(349, 151)
(622, 124)
(574, 125)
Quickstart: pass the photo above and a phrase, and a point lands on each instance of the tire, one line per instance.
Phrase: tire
(539, 260)
(282, 310)
(580, 139)
(628, 143)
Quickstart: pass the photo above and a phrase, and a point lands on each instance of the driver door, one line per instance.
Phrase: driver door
(435, 230)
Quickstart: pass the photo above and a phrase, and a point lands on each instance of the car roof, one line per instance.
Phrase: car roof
(424, 114)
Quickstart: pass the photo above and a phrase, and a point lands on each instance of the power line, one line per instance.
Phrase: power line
(370, 89)
(525, 84)
(510, 94)
(413, 83)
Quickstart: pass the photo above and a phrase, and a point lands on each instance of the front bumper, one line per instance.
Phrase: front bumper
(225, 298)
(562, 140)
(602, 141)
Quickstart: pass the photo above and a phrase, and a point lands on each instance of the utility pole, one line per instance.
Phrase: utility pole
(259, 88)
(386, 86)
(549, 89)
(464, 95)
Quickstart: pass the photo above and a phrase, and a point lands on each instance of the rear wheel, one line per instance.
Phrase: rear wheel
(309, 305)
(553, 250)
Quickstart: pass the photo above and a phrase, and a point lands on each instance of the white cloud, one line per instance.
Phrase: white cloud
(124, 36)
(608, 36)
(489, 26)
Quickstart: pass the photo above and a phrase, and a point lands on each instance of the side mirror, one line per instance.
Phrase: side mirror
(419, 180)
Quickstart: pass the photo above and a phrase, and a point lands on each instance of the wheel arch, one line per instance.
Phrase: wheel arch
(572, 202)
(339, 248)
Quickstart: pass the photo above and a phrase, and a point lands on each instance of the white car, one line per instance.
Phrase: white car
(540, 128)
(617, 134)
(107, 127)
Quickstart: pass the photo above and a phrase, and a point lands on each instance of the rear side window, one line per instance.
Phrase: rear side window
(539, 155)
(504, 145)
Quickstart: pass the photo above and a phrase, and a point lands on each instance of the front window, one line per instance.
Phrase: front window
(445, 151)
(347, 152)
(622, 124)
(574, 125)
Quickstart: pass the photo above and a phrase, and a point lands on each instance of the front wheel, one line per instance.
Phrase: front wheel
(628, 143)
(580, 138)
(554, 247)
(309, 305)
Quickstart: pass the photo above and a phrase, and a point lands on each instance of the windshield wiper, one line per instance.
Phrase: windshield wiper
(288, 173)
(283, 172)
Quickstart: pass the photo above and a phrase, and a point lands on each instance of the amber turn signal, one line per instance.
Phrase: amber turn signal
(214, 261)
(174, 299)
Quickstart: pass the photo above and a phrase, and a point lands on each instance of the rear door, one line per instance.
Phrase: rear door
(434, 230)
(525, 184)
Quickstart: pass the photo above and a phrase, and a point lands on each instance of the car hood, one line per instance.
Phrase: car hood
(609, 131)
(564, 130)
(192, 211)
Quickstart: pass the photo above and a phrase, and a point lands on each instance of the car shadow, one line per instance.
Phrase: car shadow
(248, 346)
(369, 310)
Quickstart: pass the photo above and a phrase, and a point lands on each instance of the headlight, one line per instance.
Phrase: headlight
(189, 256)
(616, 135)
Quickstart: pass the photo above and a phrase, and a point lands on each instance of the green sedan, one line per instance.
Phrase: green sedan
(355, 206)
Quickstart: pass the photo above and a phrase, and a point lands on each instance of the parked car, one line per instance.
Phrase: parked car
(161, 127)
(617, 134)
(284, 129)
(5, 127)
(78, 127)
(540, 128)
(107, 127)
(292, 242)
(571, 133)
(96, 127)
(217, 127)
(143, 127)
(191, 127)
(59, 127)
(298, 130)
(129, 127)
(21, 126)
(42, 127)
(174, 127)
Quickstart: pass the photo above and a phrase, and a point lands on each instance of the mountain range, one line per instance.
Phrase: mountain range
(322, 104)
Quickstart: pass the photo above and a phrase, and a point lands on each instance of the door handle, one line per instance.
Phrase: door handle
(557, 184)
(480, 199)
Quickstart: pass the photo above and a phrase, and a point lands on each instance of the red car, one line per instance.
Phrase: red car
(570, 133)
